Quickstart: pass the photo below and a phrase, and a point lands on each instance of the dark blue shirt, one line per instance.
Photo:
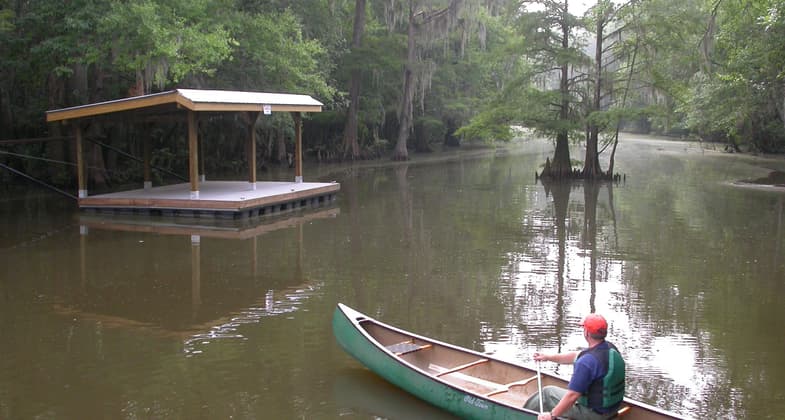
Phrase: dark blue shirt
(586, 370)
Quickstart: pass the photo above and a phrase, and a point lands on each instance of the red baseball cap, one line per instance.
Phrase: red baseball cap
(595, 324)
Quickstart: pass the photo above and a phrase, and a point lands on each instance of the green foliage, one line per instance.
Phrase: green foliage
(716, 75)
(166, 40)
(488, 127)
(429, 130)
(739, 95)
(6, 20)
(272, 55)
(608, 120)
(713, 68)
(662, 38)
(526, 89)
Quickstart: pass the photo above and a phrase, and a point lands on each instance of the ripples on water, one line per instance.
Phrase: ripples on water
(473, 252)
(275, 304)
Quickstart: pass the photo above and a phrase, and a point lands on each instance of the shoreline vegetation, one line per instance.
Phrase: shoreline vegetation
(775, 178)
(406, 77)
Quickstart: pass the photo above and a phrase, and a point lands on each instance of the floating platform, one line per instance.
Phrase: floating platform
(211, 228)
(217, 199)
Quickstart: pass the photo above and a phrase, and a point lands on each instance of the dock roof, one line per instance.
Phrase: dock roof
(194, 100)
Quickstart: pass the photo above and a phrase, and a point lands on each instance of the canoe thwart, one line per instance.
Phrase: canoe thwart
(462, 367)
(521, 382)
(506, 387)
(399, 349)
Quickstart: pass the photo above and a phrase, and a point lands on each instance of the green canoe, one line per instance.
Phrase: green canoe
(464, 382)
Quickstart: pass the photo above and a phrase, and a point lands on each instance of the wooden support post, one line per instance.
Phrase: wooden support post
(202, 172)
(254, 256)
(298, 147)
(299, 268)
(80, 164)
(83, 256)
(196, 273)
(193, 155)
(148, 173)
(251, 148)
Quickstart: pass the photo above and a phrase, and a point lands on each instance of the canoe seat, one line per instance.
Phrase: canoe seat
(399, 349)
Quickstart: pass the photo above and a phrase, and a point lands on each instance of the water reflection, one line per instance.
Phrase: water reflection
(653, 279)
(274, 303)
(570, 268)
(206, 320)
(358, 393)
(687, 267)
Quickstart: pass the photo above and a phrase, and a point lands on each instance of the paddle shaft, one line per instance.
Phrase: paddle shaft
(539, 384)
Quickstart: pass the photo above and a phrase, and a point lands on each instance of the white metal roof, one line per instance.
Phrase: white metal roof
(239, 97)
(195, 100)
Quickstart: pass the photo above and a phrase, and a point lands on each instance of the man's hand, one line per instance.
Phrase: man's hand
(545, 416)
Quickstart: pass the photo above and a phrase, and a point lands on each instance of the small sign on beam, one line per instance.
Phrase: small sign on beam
(267, 109)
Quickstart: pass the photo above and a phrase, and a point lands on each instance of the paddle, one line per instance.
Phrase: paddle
(539, 384)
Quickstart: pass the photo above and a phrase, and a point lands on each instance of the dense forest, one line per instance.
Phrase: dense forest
(398, 76)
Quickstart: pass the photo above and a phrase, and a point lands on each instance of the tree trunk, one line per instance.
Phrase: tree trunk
(57, 150)
(6, 116)
(561, 167)
(623, 104)
(281, 146)
(405, 110)
(98, 174)
(591, 192)
(560, 191)
(591, 163)
(351, 147)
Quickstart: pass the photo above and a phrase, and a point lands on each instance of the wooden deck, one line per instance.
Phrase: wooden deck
(217, 199)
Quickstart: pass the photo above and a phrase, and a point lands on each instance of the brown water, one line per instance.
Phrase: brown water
(688, 268)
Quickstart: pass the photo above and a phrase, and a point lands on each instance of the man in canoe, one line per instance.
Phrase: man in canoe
(597, 385)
